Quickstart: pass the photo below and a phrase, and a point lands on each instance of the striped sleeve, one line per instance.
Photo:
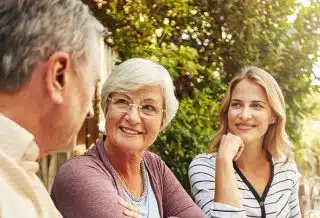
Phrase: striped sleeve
(294, 198)
(202, 181)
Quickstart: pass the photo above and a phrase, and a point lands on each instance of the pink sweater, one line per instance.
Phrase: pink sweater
(85, 187)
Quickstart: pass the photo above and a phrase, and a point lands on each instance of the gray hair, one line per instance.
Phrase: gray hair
(31, 31)
(136, 73)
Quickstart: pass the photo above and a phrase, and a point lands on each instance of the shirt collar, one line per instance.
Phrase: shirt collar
(17, 142)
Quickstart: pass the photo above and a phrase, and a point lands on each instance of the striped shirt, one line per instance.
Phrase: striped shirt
(279, 199)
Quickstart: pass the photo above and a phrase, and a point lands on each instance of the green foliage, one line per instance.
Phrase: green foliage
(308, 151)
(189, 133)
(203, 43)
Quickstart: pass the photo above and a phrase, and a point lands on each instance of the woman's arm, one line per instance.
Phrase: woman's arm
(231, 147)
(225, 185)
(176, 201)
(83, 188)
(202, 180)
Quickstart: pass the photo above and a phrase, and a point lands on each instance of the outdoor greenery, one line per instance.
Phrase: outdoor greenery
(310, 149)
(203, 43)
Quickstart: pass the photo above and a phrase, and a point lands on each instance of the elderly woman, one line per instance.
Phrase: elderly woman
(118, 177)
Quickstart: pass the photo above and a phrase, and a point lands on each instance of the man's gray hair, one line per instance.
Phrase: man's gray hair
(137, 73)
(32, 30)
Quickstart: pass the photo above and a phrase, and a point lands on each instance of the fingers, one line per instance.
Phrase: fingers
(231, 146)
(131, 214)
(130, 210)
(123, 203)
(128, 206)
(241, 148)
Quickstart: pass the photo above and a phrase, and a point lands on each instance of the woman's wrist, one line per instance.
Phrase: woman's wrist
(224, 159)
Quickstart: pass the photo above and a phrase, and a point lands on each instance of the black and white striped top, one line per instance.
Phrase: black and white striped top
(280, 197)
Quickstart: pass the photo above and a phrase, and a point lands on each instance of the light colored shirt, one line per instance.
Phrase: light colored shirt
(279, 199)
(21, 192)
(148, 207)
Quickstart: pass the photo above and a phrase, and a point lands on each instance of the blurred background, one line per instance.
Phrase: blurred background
(203, 43)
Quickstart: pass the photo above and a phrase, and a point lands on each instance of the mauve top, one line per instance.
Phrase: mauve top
(85, 187)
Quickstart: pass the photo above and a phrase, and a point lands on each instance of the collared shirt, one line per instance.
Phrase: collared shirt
(21, 192)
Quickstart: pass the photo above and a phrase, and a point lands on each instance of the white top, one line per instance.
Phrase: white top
(279, 199)
(148, 207)
(22, 193)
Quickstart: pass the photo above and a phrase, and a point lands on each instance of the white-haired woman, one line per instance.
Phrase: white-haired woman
(249, 172)
(118, 177)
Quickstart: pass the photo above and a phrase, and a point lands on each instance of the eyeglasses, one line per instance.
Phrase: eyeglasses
(124, 105)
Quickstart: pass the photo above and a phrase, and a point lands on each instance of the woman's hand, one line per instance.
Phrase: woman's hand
(130, 210)
(231, 147)
(226, 189)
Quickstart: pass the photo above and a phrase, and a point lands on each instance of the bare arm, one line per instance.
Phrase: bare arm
(226, 189)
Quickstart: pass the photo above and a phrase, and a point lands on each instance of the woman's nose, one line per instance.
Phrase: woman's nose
(245, 113)
(133, 115)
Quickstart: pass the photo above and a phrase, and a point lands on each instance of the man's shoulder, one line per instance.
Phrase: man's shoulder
(13, 199)
(20, 190)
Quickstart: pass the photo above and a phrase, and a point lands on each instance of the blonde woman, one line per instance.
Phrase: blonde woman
(250, 171)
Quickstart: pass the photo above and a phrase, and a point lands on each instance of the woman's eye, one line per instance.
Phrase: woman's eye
(149, 107)
(258, 106)
(122, 101)
(235, 105)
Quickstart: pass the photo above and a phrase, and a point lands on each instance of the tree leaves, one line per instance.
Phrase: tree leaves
(202, 44)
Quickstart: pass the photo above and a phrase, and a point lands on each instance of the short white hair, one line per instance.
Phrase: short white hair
(136, 73)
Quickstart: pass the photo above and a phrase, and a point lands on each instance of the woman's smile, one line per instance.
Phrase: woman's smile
(130, 131)
(245, 126)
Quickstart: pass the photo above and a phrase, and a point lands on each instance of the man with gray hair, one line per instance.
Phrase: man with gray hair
(49, 67)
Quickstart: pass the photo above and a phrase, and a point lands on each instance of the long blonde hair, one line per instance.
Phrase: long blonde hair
(276, 140)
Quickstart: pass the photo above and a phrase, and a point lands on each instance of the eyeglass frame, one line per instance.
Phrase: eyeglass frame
(138, 106)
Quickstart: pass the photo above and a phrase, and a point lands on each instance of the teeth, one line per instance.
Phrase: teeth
(245, 126)
(130, 131)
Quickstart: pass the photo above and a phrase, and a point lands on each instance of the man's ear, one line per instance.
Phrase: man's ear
(56, 76)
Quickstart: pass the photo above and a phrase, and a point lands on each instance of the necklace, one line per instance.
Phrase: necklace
(144, 182)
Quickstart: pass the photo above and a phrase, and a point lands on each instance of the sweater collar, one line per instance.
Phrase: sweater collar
(17, 143)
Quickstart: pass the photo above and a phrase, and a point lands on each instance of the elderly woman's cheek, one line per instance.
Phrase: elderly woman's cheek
(116, 137)
(152, 131)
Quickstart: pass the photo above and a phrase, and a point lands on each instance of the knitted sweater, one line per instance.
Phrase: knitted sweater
(86, 187)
